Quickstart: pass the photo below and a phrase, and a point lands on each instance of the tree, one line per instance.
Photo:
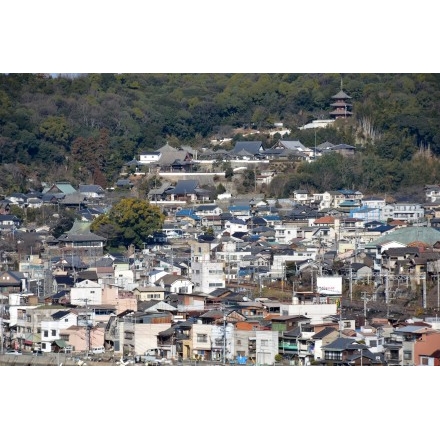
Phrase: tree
(56, 129)
(130, 221)
(64, 223)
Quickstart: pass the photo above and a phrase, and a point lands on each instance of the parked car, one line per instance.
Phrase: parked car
(15, 352)
(97, 350)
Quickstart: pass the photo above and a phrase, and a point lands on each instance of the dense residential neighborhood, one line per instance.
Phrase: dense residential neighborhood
(232, 276)
(334, 278)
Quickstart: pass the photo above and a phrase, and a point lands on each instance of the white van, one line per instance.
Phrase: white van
(98, 350)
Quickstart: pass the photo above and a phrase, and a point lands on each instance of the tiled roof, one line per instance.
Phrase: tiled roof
(409, 234)
(185, 187)
(252, 147)
(324, 220)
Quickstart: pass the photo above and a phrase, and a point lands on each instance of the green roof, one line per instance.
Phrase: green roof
(61, 343)
(80, 227)
(409, 235)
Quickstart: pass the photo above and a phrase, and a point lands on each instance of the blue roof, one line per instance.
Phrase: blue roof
(184, 213)
(239, 208)
(237, 221)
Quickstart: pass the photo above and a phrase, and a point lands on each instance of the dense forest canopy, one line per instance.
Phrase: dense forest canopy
(84, 127)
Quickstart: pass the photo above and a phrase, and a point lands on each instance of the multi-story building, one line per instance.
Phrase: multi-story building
(207, 273)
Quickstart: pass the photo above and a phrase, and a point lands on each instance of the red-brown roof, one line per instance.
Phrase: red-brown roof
(328, 219)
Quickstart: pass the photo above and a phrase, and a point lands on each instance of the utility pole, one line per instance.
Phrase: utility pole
(224, 337)
(424, 290)
(438, 292)
(351, 284)
(86, 300)
(1, 325)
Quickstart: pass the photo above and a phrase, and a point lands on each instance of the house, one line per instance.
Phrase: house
(148, 293)
(248, 150)
(62, 188)
(412, 344)
(34, 202)
(242, 211)
(175, 284)
(9, 222)
(187, 191)
(86, 292)
(51, 328)
(5, 207)
(432, 193)
(346, 351)
(79, 238)
(13, 282)
(236, 225)
(290, 148)
(158, 194)
(124, 184)
(207, 210)
(91, 191)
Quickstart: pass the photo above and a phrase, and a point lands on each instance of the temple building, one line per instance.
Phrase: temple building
(341, 106)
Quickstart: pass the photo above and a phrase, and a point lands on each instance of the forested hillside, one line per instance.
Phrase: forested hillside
(83, 128)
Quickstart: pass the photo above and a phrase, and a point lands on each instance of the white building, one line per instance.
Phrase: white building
(410, 212)
(149, 157)
(86, 292)
(316, 311)
(284, 234)
(207, 273)
(266, 347)
(50, 328)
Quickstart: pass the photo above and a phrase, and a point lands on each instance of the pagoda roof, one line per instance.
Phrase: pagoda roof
(341, 95)
(341, 104)
(341, 111)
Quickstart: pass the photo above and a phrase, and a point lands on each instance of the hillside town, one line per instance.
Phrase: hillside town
(315, 279)
(323, 279)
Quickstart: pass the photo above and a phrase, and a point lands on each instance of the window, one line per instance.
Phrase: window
(202, 338)
(333, 356)
(407, 355)
(43, 345)
(54, 333)
(66, 320)
(373, 343)
(46, 333)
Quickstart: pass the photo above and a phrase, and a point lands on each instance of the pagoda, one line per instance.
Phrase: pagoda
(341, 106)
